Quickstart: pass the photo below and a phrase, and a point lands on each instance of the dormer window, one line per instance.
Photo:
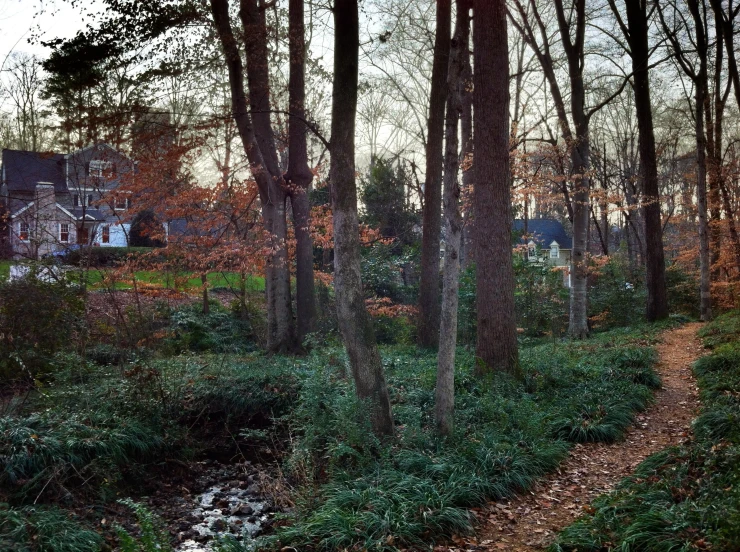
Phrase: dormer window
(121, 202)
(83, 200)
(99, 168)
(554, 250)
(531, 251)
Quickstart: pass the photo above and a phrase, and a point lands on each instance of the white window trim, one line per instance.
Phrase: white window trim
(28, 232)
(103, 232)
(98, 167)
(554, 251)
(61, 224)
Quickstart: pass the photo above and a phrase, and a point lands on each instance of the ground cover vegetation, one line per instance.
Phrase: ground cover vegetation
(686, 497)
(97, 420)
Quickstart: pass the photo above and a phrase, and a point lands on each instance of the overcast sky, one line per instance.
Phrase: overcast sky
(23, 19)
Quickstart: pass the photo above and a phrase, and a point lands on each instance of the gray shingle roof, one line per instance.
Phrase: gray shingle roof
(24, 169)
(544, 231)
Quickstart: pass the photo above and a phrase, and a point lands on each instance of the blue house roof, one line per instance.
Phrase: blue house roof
(545, 231)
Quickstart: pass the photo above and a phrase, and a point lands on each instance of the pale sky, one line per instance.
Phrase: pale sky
(22, 19)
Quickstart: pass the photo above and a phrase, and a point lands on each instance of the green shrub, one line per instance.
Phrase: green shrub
(29, 341)
(219, 331)
(102, 257)
(153, 535)
(43, 529)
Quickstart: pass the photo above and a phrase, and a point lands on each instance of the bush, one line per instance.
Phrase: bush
(617, 297)
(42, 529)
(102, 257)
(219, 331)
(29, 341)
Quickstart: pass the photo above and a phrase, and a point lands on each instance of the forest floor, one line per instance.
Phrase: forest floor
(531, 521)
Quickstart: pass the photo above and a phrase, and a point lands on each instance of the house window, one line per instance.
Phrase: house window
(106, 234)
(98, 168)
(554, 251)
(64, 232)
(23, 231)
(531, 251)
(122, 202)
(86, 200)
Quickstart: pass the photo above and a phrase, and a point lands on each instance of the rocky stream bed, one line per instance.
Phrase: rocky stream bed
(221, 500)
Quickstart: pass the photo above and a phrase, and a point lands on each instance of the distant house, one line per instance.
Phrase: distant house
(53, 200)
(547, 242)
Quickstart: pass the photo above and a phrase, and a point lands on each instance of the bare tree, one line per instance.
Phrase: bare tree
(635, 31)
(445, 390)
(429, 307)
(678, 31)
(354, 321)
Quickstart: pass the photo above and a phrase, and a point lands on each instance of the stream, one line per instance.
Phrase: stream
(225, 501)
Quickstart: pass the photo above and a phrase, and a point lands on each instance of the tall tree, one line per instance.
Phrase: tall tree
(429, 306)
(635, 32)
(697, 71)
(445, 390)
(572, 31)
(299, 174)
(264, 166)
(354, 321)
(496, 347)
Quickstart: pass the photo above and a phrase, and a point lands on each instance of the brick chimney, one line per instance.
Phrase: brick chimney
(45, 211)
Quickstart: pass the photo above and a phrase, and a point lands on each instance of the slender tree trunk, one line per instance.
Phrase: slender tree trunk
(354, 321)
(299, 174)
(429, 307)
(657, 299)
(204, 282)
(467, 254)
(445, 390)
(496, 347)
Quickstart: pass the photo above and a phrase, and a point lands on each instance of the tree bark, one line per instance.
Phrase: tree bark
(445, 391)
(496, 346)
(637, 37)
(429, 306)
(280, 335)
(354, 321)
(299, 174)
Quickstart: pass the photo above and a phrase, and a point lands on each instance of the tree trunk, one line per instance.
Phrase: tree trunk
(354, 321)
(467, 254)
(280, 335)
(657, 299)
(701, 97)
(429, 307)
(496, 346)
(204, 282)
(445, 390)
(299, 174)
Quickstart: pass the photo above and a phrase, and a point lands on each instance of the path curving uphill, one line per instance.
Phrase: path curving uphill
(530, 522)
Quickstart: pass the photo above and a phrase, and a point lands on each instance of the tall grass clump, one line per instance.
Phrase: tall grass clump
(686, 497)
(44, 529)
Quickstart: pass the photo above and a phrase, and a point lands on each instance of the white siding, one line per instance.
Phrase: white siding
(118, 235)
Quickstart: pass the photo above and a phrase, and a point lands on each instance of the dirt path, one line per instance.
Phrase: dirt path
(530, 522)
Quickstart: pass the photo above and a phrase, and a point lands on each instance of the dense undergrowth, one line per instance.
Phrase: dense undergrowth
(686, 497)
(92, 432)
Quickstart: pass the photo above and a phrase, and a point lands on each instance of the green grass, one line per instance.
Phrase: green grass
(44, 529)
(686, 497)
(5, 270)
